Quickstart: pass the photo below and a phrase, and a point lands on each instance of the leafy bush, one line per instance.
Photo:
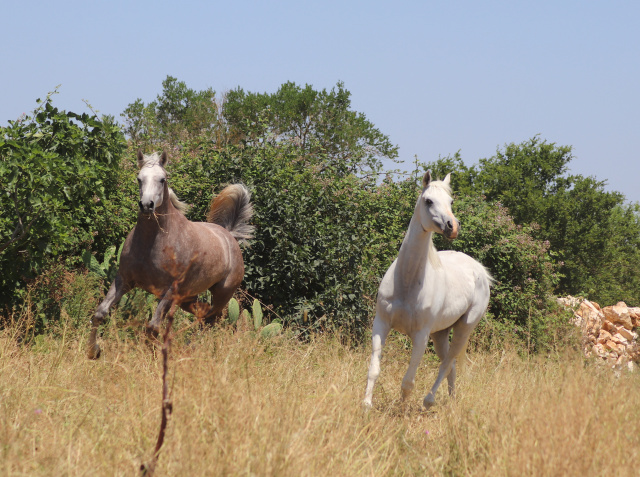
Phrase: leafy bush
(55, 169)
(523, 268)
(326, 228)
(594, 234)
(308, 250)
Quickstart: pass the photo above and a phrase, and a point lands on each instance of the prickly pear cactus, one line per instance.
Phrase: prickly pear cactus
(246, 316)
(271, 330)
(257, 314)
(234, 311)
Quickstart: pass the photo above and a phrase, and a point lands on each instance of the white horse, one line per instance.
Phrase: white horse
(427, 293)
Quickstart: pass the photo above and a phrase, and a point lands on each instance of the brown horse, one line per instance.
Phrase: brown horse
(175, 259)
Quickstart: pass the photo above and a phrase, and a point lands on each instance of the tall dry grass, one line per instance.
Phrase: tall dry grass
(243, 406)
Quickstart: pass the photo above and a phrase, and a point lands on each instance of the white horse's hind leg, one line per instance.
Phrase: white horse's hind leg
(441, 344)
(461, 333)
(420, 339)
(380, 332)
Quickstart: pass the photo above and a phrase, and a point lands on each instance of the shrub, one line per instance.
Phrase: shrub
(55, 169)
(523, 268)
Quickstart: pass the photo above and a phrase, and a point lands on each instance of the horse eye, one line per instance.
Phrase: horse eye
(429, 202)
(162, 181)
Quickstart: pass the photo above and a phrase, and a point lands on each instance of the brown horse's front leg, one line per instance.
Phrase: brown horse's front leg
(153, 327)
(115, 293)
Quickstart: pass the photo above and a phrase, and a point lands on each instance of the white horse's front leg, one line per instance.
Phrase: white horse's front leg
(419, 340)
(380, 332)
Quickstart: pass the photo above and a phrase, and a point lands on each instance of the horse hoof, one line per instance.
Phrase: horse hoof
(152, 332)
(429, 400)
(94, 352)
(366, 404)
(405, 393)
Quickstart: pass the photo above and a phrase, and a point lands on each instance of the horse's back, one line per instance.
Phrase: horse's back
(208, 251)
(462, 262)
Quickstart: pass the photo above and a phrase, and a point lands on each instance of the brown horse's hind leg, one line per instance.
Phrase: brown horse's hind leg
(199, 309)
(221, 293)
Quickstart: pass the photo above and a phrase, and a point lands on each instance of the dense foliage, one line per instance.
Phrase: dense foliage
(57, 173)
(308, 248)
(318, 122)
(328, 223)
(177, 114)
(594, 233)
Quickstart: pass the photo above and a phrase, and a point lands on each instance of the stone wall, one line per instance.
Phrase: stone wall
(608, 333)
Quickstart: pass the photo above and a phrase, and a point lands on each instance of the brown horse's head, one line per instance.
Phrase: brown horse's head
(152, 180)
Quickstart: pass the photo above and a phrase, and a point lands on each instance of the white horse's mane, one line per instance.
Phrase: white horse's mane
(441, 185)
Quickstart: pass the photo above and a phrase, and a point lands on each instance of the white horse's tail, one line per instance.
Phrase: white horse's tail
(232, 210)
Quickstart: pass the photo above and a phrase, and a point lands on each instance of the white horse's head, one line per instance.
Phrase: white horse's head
(152, 179)
(434, 207)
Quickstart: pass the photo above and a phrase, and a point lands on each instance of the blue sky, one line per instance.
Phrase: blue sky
(435, 76)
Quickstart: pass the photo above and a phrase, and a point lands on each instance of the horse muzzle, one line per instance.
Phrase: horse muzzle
(147, 208)
(451, 228)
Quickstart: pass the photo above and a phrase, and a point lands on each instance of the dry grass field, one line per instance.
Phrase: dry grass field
(245, 406)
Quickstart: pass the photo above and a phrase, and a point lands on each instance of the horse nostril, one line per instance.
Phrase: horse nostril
(151, 204)
(141, 206)
(449, 224)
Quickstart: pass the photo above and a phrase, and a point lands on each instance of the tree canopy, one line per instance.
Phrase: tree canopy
(318, 122)
(592, 231)
(326, 227)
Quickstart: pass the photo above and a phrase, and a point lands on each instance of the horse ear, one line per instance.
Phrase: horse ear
(140, 158)
(164, 158)
(426, 179)
(447, 179)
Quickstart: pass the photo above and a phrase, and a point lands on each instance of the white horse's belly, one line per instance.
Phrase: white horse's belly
(409, 318)
(435, 301)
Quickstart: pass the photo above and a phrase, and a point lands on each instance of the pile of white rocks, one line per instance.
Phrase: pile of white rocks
(607, 333)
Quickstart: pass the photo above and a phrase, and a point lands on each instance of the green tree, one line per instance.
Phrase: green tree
(177, 114)
(319, 122)
(53, 169)
(307, 254)
(591, 230)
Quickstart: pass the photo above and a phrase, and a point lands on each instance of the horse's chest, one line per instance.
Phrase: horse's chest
(411, 306)
(406, 316)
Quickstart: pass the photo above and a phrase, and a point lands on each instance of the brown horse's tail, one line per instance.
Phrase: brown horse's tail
(232, 210)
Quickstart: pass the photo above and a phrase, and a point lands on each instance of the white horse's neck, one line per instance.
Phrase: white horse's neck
(416, 253)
